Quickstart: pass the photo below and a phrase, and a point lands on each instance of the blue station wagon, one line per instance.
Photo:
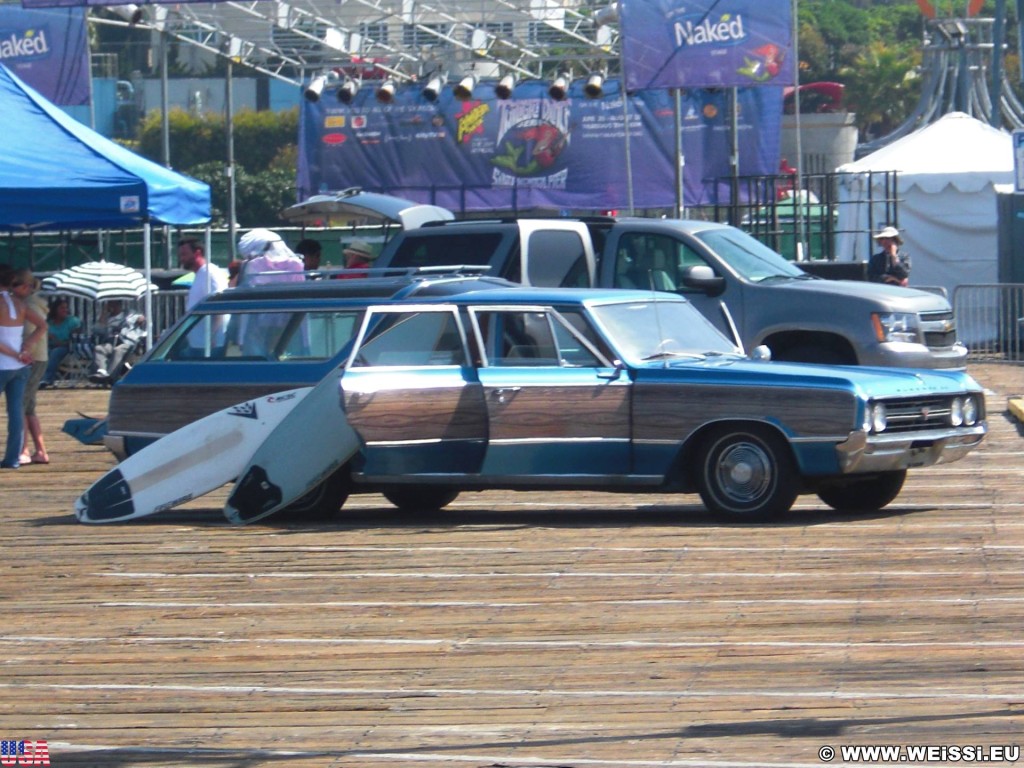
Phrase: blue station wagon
(455, 384)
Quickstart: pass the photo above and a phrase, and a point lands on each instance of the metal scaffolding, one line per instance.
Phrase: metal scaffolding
(405, 39)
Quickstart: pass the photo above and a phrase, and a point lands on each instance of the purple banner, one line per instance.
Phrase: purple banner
(706, 43)
(531, 151)
(49, 50)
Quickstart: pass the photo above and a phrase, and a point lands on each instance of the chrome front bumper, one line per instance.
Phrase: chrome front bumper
(862, 452)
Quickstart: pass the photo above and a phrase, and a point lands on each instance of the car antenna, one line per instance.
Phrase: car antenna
(657, 318)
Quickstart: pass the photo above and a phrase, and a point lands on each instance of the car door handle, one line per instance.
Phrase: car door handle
(504, 394)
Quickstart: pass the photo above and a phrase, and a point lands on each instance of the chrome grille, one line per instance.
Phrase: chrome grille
(912, 415)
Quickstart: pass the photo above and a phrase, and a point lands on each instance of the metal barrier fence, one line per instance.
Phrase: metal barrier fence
(990, 321)
(168, 306)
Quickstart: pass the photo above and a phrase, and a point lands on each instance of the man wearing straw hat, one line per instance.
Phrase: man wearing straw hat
(889, 265)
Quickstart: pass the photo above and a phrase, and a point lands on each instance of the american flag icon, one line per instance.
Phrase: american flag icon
(24, 752)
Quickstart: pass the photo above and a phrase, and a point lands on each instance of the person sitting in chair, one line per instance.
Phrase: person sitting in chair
(118, 333)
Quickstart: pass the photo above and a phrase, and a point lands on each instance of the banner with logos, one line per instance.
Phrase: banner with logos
(706, 43)
(49, 50)
(532, 151)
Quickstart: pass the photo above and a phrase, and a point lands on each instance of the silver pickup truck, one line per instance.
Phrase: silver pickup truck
(747, 290)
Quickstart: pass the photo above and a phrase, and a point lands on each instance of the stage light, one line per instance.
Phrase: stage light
(433, 88)
(559, 87)
(607, 15)
(315, 88)
(594, 87)
(347, 90)
(131, 12)
(386, 92)
(505, 86)
(464, 90)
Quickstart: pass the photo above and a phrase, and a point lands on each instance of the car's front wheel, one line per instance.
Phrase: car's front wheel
(747, 473)
(863, 494)
(420, 498)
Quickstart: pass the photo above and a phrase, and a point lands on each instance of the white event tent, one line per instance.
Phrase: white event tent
(947, 174)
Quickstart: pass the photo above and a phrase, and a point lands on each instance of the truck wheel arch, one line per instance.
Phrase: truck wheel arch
(811, 347)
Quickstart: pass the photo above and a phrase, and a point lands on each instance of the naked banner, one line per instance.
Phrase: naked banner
(706, 43)
(532, 151)
(48, 49)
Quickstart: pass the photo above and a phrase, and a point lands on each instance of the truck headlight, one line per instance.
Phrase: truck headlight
(895, 326)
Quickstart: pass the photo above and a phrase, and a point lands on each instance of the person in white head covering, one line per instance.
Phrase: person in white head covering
(265, 253)
(889, 265)
(266, 259)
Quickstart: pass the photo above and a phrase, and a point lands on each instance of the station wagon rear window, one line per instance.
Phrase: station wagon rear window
(281, 336)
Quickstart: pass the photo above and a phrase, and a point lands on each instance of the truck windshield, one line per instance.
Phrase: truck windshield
(749, 257)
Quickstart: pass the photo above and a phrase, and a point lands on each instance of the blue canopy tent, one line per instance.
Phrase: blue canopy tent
(57, 174)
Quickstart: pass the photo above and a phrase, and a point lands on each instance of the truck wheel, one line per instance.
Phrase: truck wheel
(747, 473)
(326, 499)
(420, 498)
(863, 494)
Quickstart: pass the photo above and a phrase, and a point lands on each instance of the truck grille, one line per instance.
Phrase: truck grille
(939, 328)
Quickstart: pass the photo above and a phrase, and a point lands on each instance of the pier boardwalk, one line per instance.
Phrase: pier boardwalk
(525, 630)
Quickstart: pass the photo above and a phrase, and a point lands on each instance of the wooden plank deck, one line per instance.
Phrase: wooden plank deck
(529, 629)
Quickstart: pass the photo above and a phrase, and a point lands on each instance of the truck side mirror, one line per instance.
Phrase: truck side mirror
(761, 353)
(703, 278)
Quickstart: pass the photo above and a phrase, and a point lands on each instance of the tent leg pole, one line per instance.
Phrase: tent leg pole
(147, 243)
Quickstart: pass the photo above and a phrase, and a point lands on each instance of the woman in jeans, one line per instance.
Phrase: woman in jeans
(15, 357)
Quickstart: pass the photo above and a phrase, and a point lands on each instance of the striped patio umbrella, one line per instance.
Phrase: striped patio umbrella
(100, 281)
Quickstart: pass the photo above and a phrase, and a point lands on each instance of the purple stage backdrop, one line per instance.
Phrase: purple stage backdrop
(48, 49)
(706, 43)
(531, 151)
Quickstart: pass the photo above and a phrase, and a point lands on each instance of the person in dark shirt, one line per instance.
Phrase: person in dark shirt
(889, 265)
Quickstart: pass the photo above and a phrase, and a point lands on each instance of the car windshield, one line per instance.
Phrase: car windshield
(643, 331)
(751, 258)
(282, 336)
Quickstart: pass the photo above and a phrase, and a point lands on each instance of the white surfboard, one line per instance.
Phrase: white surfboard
(188, 463)
(303, 451)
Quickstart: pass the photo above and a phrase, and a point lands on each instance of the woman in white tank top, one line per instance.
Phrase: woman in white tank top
(15, 358)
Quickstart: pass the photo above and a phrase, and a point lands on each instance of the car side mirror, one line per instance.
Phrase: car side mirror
(615, 373)
(762, 353)
(703, 278)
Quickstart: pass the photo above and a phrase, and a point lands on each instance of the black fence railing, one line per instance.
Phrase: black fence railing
(800, 224)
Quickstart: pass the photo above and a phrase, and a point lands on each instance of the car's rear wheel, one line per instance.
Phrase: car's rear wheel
(863, 494)
(326, 499)
(747, 473)
(420, 498)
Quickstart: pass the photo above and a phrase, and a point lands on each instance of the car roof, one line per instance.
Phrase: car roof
(523, 295)
(377, 287)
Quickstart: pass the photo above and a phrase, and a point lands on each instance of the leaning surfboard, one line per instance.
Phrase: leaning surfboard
(305, 450)
(188, 463)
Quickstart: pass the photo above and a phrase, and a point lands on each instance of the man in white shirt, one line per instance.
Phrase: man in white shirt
(208, 279)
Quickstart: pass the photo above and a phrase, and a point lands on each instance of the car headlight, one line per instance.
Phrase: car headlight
(875, 418)
(895, 326)
(970, 411)
(956, 412)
